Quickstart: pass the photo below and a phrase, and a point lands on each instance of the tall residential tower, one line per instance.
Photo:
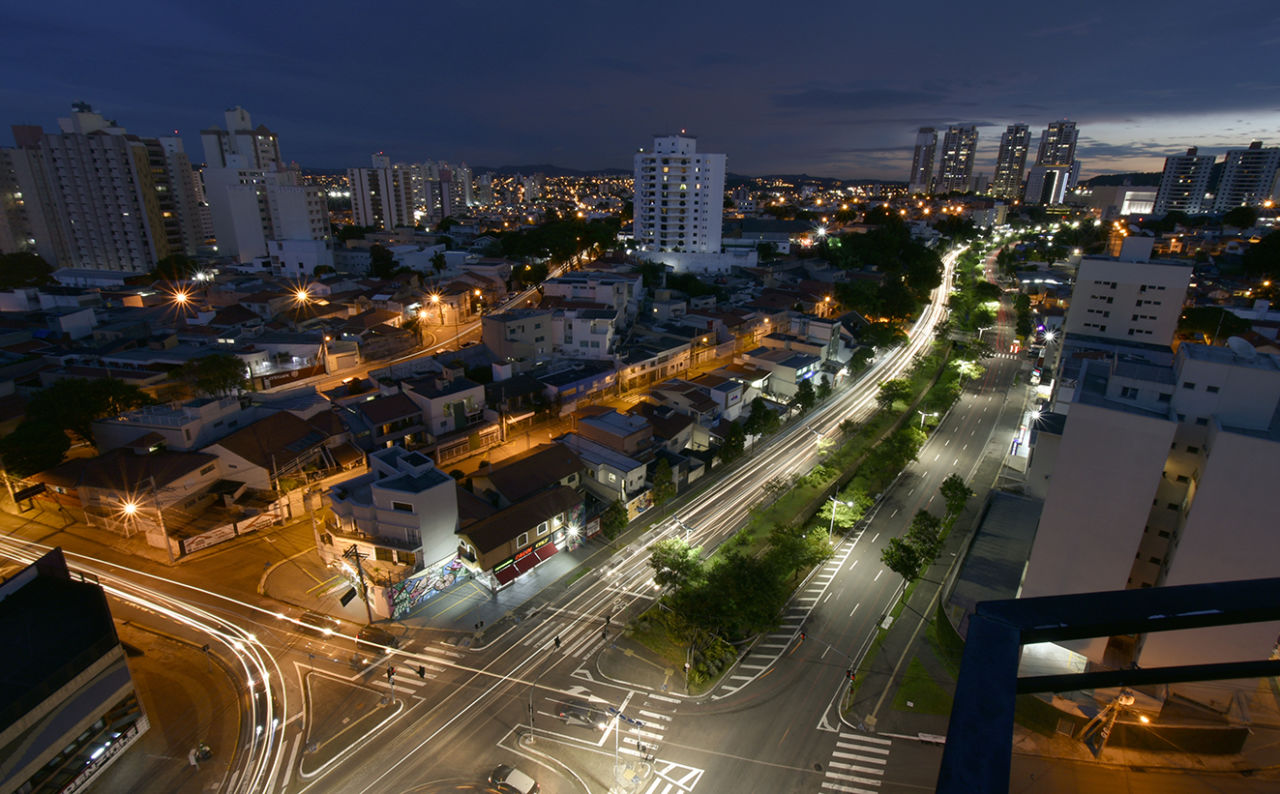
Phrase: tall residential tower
(679, 196)
(921, 179)
(955, 171)
(1250, 177)
(1184, 183)
(1011, 162)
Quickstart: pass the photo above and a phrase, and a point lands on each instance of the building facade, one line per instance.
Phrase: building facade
(921, 178)
(1184, 183)
(679, 196)
(381, 196)
(955, 169)
(1250, 177)
(1011, 162)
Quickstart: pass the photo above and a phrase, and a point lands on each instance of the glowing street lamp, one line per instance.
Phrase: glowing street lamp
(922, 417)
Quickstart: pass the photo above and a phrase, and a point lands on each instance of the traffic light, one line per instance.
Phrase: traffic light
(391, 673)
(850, 674)
(802, 634)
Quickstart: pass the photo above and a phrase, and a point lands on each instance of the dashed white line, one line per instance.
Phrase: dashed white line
(855, 608)
(855, 562)
(878, 575)
(873, 540)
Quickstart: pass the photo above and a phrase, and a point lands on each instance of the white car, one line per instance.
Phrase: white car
(509, 779)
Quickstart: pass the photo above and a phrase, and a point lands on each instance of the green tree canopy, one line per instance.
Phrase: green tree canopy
(382, 263)
(805, 395)
(24, 269)
(215, 375)
(33, 446)
(1214, 322)
(956, 493)
(74, 404)
(1240, 217)
(664, 486)
(892, 391)
(902, 558)
(175, 267)
(613, 519)
(677, 564)
(925, 534)
(735, 439)
(761, 420)
(1262, 259)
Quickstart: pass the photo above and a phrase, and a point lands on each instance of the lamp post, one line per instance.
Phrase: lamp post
(131, 506)
(835, 503)
(922, 417)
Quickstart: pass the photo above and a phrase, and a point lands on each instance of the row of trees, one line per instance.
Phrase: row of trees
(909, 556)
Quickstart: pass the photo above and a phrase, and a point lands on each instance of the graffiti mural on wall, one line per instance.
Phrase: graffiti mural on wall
(413, 592)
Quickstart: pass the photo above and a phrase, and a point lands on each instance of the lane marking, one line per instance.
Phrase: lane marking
(855, 608)
(878, 575)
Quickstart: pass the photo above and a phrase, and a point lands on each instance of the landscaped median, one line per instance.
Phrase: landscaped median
(714, 607)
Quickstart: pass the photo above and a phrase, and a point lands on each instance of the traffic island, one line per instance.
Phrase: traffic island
(340, 714)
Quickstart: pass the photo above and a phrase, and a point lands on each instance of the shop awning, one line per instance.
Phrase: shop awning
(525, 563)
(506, 574)
(545, 552)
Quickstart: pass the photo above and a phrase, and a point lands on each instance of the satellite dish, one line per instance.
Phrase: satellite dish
(1241, 347)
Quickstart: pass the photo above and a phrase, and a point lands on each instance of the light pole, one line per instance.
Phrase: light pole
(130, 509)
(835, 503)
(922, 417)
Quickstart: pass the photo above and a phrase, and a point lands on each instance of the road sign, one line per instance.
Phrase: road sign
(28, 492)
(347, 596)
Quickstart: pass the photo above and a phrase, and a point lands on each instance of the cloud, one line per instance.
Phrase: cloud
(855, 99)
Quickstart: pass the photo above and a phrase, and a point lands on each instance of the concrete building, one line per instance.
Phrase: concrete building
(920, 180)
(1158, 480)
(402, 514)
(1011, 162)
(679, 196)
(382, 196)
(1058, 144)
(621, 292)
(955, 169)
(1250, 177)
(608, 474)
(69, 701)
(1049, 184)
(253, 197)
(1184, 183)
(1128, 301)
(518, 334)
(92, 196)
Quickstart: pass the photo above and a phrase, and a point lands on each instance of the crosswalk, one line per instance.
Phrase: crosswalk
(672, 778)
(579, 638)
(857, 764)
(771, 647)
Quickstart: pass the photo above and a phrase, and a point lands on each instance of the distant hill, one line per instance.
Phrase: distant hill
(1148, 179)
(548, 170)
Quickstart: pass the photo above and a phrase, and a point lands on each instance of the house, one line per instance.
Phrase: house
(187, 426)
(607, 474)
(385, 420)
(275, 446)
(518, 334)
(725, 392)
(448, 404)
(401, 515)
(687, 398)
(514, 540)
(672, 430)
(545, 467)
(787, 368)
(628, 434)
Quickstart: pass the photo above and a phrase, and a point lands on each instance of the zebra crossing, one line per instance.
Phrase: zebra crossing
(857, 764)
(770, 648)
(578, 638)
(672, 778)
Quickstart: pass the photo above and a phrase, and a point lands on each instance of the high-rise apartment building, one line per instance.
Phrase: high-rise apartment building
(382, 196)
(93, 196)
(1011, 162)
(921, 178)
(1058, 144)
(1250, 177)
(463, 185)
(955, 170)
(253, 197)
(1184, 183)
(679, 196)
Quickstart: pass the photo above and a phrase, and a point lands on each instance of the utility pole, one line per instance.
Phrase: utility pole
(353, 553)
(155, 496)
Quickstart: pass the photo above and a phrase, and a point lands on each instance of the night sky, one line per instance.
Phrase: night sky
(831, 88)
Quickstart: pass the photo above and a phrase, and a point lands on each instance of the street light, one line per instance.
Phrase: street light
(922, 417)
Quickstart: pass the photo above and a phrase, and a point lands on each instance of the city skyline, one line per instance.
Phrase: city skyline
(585, 94)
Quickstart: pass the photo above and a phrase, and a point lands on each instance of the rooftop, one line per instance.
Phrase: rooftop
(506, 525)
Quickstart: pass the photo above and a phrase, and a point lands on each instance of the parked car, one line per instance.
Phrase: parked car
(510, 780)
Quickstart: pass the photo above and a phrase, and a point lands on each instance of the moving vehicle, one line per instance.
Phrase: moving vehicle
(318, 623)
(578, 712)
(512, 781)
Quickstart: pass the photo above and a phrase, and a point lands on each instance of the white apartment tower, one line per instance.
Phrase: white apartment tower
(679, 196)
(382, 196)
(1184, 183)
(1250, 177)
(921, 179)
(955, 170)
(253, 197)
(93, 196)
(1011, 162)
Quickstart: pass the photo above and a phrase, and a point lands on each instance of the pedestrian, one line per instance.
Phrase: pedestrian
(604, 634)
(557, 642)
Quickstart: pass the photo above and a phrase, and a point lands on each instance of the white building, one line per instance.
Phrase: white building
(1011, 162)
(1128, 301)
(955, 170)
(1049, 184)
(382, 196)
(1161, 478)
(679, 196)
(1249, 177)
(621, 292)
(1184, 183)
(252, 196)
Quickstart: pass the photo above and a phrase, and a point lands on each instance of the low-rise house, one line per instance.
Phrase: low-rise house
(687, 398)
(628, 434)
(277, 446)
(787, 368)
(401, 516)
(672, 430)
(608, 475)
(514, 540)
(543, 468)
(187, 426)
(449, 404)
(385, 420)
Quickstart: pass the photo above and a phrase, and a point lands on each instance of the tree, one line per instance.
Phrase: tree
(676, 564)
(33, 446)
(74, 404)
(849, 510)
(175, 267)
(1262, 259)
(664, 486)
(1213, 322)
(805, 396)
(793, 549)
(956, 493)
(824, 387)
(613, 519)
(925, 534)
(761, 420)
(735, 439)
(1240, 217)
(766, 251)
(902, 558)
(215, 375)
(986, 291)
(24, 269)
(892, 391)
(437, 261)
(446, 223)
(382, 263)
